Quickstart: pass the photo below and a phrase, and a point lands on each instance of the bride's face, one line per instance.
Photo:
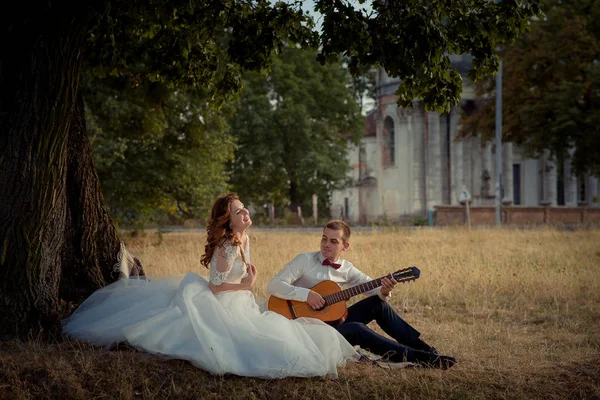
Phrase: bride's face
(239, 217)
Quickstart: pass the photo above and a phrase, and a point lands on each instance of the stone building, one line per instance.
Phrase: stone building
(409, 162)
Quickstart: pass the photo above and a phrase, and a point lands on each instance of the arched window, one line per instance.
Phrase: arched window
(389, 142)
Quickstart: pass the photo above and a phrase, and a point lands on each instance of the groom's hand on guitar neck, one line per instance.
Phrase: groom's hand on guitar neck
(315, 300)
(387, 284)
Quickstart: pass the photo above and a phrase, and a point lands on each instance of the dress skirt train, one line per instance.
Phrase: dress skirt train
(179, 317)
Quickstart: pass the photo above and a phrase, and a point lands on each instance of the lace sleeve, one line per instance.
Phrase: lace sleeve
(221, 263)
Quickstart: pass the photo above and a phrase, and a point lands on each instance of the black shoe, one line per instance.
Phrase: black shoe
(438, 361)
(443, 362)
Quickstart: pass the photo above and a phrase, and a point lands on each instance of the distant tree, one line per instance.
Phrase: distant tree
(291, 129)
(57, 240)
(158, 151)
(551, 87)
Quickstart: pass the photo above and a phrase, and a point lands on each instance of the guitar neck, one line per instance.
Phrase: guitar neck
(345, 294)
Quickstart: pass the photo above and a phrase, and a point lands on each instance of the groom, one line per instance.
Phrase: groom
(296, 278)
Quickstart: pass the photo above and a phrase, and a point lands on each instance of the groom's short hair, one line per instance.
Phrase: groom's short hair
(339, 225)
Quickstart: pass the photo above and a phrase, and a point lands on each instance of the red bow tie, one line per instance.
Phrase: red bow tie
(333, 265)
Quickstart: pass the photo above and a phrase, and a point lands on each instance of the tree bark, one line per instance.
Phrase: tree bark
(89, 256)
(56, 236)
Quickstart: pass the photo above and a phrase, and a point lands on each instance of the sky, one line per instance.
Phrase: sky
(309, 6)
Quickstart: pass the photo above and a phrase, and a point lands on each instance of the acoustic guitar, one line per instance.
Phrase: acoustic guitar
(334, 311)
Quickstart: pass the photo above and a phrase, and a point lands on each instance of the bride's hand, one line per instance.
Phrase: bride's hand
(250, 279)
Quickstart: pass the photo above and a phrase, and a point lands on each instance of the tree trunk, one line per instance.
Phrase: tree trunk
(294, 195)
(56, 237)
(89, 257)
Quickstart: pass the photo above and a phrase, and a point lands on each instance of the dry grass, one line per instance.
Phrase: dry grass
(519, 309)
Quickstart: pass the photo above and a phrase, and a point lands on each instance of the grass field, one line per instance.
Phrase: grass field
(520, 310)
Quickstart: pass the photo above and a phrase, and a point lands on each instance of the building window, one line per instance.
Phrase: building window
(517, 184)
(389, 142)
(560, 184)
(346, 209)
(581, 189)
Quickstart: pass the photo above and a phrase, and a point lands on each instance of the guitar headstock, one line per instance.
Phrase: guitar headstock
(406, 274)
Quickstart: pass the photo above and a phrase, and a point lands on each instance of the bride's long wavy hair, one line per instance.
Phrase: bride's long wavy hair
(218, 229)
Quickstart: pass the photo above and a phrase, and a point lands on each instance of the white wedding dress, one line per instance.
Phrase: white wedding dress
(179, 317)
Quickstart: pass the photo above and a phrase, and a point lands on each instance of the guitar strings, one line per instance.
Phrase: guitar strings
(358, 289)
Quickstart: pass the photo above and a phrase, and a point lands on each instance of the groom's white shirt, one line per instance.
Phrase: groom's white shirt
(294, 281)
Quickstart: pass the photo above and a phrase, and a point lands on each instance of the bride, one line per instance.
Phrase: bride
(216, 325)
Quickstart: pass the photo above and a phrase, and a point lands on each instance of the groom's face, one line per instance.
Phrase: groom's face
(332, 244)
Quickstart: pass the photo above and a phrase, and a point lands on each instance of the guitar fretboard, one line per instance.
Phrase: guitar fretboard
(344, 295)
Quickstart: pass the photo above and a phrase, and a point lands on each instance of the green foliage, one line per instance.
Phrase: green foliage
(292, 129)
(209, 43)
(419, 221)
(550, 93)
(412, 40)
(158, 152)
(199, 43)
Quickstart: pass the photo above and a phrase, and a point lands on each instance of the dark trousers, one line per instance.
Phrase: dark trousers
(406, 345)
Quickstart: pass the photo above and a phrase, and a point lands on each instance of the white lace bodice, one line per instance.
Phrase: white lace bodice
(226, 265)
